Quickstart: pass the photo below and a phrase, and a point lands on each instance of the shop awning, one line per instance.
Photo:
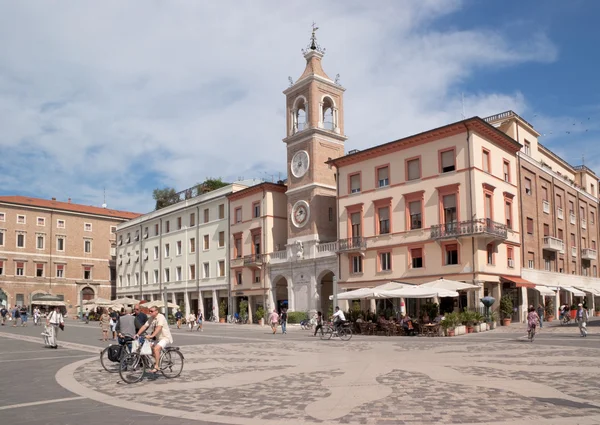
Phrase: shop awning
(592, 291)
(518, 281)
(545, 291)
(574, 291)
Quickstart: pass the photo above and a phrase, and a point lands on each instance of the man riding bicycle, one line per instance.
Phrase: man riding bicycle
(338, 318)
(160, 330)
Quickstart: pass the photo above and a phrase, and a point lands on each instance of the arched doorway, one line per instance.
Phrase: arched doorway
(281, 293)
(326, 284)
(87, 294)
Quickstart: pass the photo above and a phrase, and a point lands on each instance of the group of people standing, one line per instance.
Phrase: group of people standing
(19, 313)
(192, 320)
(275, 319)
(109, 320)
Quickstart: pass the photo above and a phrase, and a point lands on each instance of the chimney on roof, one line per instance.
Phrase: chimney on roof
(69, 201)
(54, 199)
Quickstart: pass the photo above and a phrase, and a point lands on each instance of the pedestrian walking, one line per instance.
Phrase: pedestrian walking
(3, 314)
(23, 312)
(114, 317)
(16, 315)
(36, 316)
(582, 318)
(283, 320)
(178, 317)
(319, 323)
(274, 321)
(105, 324)
(199, 321)
(191, 319)
(540, 313)
(54, 320)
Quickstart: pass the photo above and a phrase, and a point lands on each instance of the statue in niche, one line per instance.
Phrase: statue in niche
(299, 250)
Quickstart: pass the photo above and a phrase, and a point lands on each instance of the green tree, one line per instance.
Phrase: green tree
(165, 197)
(211, 183)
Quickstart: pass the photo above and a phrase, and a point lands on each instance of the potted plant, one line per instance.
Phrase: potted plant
(506, 309)
(493, 319)
(597, 312)
(468, 320)
(479, 320)
(449, 323)
(260, 315)
(222, 311)
(549, 310)
(243, 310)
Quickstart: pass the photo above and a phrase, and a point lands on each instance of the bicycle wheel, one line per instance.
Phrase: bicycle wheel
(171, 364)
(327, 333)
(132, 368)
(107, 364)
(532, 334)
(345, 334)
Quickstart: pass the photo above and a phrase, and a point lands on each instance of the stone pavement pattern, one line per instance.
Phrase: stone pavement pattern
(365, 381)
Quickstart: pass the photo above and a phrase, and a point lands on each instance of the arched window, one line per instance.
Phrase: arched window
(328, 115)
(87, 294)
(301, 116)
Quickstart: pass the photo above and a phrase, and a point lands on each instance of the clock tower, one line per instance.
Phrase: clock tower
(315, 134)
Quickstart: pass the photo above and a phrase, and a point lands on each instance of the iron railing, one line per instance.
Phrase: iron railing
(357, 243)
(478, 226)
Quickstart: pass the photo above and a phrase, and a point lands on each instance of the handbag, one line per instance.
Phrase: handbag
(61, 326)
(146, 349)
(135, 344)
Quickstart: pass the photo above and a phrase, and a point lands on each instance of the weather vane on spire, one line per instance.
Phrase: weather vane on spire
(313, 45)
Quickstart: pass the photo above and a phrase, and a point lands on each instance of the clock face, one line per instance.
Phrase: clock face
(300, 213)
(300, 163)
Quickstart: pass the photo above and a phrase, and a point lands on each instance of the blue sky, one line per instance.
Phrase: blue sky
(144, 94)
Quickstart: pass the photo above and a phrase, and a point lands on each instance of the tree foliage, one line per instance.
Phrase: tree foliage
(165, 197)
(211, 183)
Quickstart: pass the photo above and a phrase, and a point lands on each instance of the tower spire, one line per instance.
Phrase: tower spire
(313, 45)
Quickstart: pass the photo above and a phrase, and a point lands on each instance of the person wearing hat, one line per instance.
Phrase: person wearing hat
(582, 319)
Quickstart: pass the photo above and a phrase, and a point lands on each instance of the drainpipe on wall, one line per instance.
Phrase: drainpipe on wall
(472, 201)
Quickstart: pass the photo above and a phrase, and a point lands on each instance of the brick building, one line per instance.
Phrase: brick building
(57, 248)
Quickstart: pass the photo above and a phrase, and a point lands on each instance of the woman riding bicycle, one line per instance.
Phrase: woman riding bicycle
(532, 320)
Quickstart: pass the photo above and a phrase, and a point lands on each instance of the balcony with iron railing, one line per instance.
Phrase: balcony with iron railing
(476, 227)
(589, 254)
(237, 262)
(550, 243)
(357, 243)
(254, 260)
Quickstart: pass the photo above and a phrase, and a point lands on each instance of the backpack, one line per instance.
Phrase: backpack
(114, 353)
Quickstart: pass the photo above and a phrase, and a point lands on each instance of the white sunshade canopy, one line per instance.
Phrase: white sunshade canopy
(392, 285)
(544, 290)
(50, 303)
(420, 292)
(574, 291)
(592, 291)
(159, 304)
(450, 285)
(359, 294)
(99, 301)
(126, 301)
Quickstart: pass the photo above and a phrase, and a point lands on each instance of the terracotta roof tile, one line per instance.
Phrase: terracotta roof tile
(67, 206)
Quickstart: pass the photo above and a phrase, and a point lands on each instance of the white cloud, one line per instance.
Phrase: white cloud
(142, 94)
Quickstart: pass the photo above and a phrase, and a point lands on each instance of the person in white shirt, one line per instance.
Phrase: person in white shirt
(338, 318)
(161, 332)
(53, 321)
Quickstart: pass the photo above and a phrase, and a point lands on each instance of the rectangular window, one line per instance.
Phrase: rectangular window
(238, 247)
(486, 161)
(560, 235)
(156, 229)
(256, 244)
(179, 223)
(1, 268)
(206, 242)
(527, 186)
(146, 232)
(192, 219)
(222, 211)
(356, 264)
(414, 208)
(20, 240)
(451, 254)
(384, 220)
(527, 147)
(413, 169)
(156, 253)
(238, 278)
(595, 271)
(546, 230)
(60, 270)
(145, 278)
(256, 209)
(488, 206)
(40, 242)
(509, 255)
(60, 244)
(573, 244)
(221, 239)
(87, 246)
(544, 193)
(20, 271)
(87, 227)
(238, 215)
(508, 214)
(1, 238)
(39, 270)
(416, 255)
(506, 171)
(87, 274)
(256, 276)
(2, 216)
(21, 219)
(41, 221)
(385, 261)
(448, 161)
(155, 276)
(355, 221)
(547, 264)
(383, 176)
(178, 249)
(206, 215)
(355, 183)
(167, 275)
(206, 270)
(592, 217)
(192, 245)
(167, 226)
(221, 268)
(450, 213)
(594, 245)
(167, 250)
(192, 271)
(530, 225)
(490, 254)
(571, 207)
(531, 260)
(178, 273)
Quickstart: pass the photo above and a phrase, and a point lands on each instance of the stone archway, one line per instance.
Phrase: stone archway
(325, 283)
(281, 293)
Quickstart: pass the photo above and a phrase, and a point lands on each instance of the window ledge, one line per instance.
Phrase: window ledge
(385, 272)
(356, 274)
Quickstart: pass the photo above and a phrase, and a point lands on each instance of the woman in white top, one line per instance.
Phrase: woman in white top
(53, 321)
(191, 319)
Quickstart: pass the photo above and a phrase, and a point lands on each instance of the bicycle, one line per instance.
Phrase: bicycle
(344, 333)
(133, 366)
(109, 362)
(531, 333)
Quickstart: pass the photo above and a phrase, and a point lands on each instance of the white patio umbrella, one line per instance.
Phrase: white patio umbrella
(392, 285)
(159, 304)
(418, 292)
(359, 294)
(450, 285)
(99, 301)
(126, 301)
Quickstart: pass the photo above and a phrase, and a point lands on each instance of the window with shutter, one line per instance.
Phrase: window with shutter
(415, 215)
(486, 161)
(355, 221)
(384, 220)
(450, 215)
(416, 255)
(383, 178)
(355, 183)
(39, 270)
(448, 161)
(414, 169)
(506, 171)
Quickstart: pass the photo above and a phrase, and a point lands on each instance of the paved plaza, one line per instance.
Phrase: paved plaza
(245, 375)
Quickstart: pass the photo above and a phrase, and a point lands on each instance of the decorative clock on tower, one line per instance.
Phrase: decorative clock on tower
(300, 213)
(300, 163)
